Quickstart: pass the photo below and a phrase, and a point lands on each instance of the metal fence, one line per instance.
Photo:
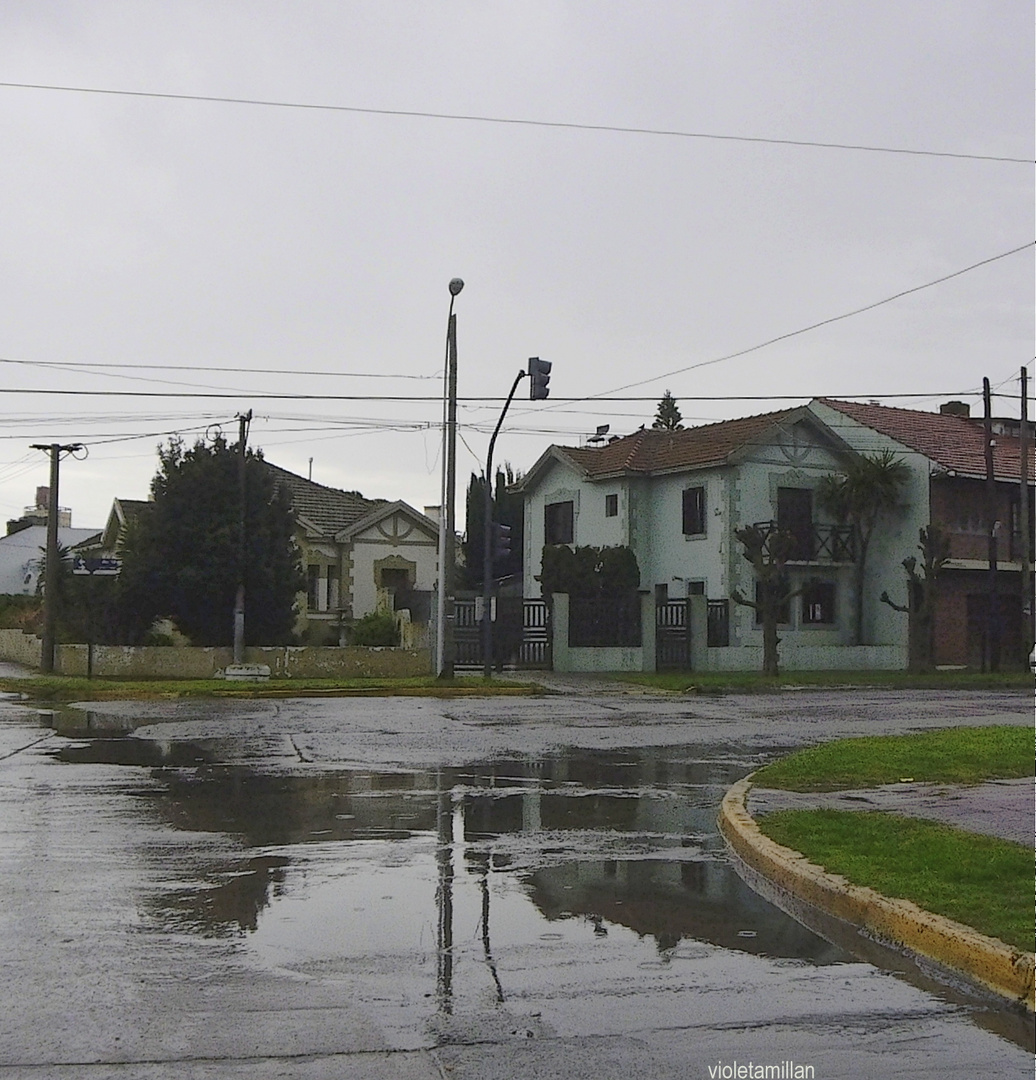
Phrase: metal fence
(605, 621)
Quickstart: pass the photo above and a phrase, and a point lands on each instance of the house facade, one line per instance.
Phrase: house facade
(677, 498)
(946, 452)
(359, 556)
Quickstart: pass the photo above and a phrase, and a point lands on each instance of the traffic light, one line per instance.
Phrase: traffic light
(539, 376)
(501, 541)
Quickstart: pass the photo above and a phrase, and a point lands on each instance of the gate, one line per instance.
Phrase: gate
(521, 634)
(672, 636)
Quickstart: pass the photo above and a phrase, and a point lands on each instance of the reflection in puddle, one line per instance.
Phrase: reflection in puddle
(449, 882)
(594, 845)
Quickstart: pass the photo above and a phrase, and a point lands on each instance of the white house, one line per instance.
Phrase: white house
(358, 555)
(678, 497)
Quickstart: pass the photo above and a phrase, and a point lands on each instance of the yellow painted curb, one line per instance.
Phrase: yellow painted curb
(984, 960)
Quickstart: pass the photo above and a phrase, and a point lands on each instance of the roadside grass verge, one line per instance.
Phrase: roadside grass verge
(66, 688)
(951, 755)
(980, 881)
(746, 682)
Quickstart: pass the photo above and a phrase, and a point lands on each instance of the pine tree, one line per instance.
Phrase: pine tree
(668, 417)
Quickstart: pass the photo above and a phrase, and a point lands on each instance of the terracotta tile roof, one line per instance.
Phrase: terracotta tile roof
(650, 451)
(954, 442)
(328, 509)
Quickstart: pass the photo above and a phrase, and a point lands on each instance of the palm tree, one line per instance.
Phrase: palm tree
(868, 487)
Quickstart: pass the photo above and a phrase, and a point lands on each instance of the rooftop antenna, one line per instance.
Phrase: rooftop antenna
(310, 477)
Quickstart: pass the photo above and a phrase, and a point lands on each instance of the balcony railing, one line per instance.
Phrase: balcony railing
(812, 543)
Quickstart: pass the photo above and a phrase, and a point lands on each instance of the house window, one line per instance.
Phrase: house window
(313, 587)
(611, 506)
(694, 511)
(695, 588)
(559, 523)
(818, 602)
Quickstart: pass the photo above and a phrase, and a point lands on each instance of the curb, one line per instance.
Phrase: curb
(981, 960)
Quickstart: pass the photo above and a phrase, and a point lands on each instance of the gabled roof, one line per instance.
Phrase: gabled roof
(123, 511)
(384, 510)
(322, 510)
(956, 443)
(650, 451)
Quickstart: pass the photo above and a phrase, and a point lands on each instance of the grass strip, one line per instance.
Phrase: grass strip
(980, 881)
(66, 688)
(747, 682)
(946, 756)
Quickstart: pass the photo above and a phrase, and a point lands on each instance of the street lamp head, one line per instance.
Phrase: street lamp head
(455, 286)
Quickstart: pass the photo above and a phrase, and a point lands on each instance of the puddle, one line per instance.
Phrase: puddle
(353, 867)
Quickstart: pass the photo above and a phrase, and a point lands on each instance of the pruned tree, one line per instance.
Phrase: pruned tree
(922, 595)
(867, 488)
(668, 416)
(768, 550)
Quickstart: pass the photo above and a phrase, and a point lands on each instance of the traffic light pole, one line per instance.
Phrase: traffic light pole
(487, 542)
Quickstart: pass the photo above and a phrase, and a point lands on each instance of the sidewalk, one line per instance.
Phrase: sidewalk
(1002, 808)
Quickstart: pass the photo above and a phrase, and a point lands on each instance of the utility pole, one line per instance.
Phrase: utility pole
(244, 419)
(53, 569)
(1024, 512)
(991, 652)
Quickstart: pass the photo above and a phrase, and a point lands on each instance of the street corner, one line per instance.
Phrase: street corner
(797, 885)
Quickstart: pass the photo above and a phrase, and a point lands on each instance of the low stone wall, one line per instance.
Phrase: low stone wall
(176, 662)
(20, 648)
(811, 658)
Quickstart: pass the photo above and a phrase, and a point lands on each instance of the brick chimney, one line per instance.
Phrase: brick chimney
(956, 408)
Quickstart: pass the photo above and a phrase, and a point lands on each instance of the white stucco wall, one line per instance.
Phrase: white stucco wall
(739, 494)
(397, 535)
(896, 536)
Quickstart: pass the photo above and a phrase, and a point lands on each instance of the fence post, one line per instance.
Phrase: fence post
(559, 631)
(698, 629)
(648, 620)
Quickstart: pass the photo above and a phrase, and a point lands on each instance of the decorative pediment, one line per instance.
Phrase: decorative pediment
(393, 524)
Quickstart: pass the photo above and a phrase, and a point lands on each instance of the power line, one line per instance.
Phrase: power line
(72, 365)
(514, 121)
(415, 398)
(823, 322)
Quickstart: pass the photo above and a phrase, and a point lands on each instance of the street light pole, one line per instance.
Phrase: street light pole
(447, 532)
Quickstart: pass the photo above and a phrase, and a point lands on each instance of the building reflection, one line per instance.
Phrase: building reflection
(615, 838)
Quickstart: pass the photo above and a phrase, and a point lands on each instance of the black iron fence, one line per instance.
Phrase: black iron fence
(605, 621)
(521, 633)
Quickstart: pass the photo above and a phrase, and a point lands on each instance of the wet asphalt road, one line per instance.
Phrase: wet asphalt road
(501, 887)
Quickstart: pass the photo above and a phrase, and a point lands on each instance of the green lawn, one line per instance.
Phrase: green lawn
(60, 688)
(952, 755)
(980, 881)
(753, 681)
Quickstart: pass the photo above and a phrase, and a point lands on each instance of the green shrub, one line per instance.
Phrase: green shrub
(378, 629)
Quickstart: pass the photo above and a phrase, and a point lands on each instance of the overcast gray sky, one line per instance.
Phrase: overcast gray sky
(177, 234)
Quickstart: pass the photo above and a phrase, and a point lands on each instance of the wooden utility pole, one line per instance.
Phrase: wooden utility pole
(991, 652)
(1024, 512)
(52, 566)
